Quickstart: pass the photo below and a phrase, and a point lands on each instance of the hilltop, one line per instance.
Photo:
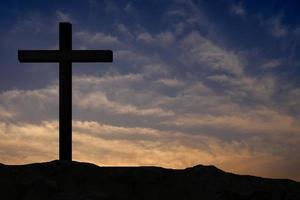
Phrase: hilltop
(60, 180)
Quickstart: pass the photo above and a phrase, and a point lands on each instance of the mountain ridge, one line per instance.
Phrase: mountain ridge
(63, 180)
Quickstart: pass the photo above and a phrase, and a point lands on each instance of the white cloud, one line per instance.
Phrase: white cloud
(259, 120)
(145, 37)
(271, 64)
(226, 68)
(133, 58)
(259, 89)
(275, 26)
(92, 93)
(191, 14)
(237, 10)
(31, 104)
(278, 29)
(5, 114)
(129, 8)
(125, 31)
(164, 39)
(171, 82)
(63, 17)
(111, 7)
(185, 129)
(292, 101)
(120, 79)
(109, 94)
(178, 13)
(87, 39)
(179, 28)
(34, 23)
(220, 78)
(204, 53)
(99, 101)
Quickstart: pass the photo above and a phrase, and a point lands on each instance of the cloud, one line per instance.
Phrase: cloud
(38, 142)
(5, 114)
(222, 78)
(163, 39)
(255, 121)
(177, 13)
(86, 39)
(171, 82)
(278, 29)
(25, 142)
(151, 66)
(192, 125)
(124, 31)
(90, 94)
(175, 98)
(292, 102)
(133, 58)
(179, 28)
(245, 88)
(166, 38)
(31, 105)
(271, 64)
(129, 8)
(93, 93)
(145, 37)
(207, 55)
(111, 7)
(34, 23)
(98, 101)
(114, 145)
(225, 68)
(63, 17)
(191, 14)
(275, 26)
(237, 10)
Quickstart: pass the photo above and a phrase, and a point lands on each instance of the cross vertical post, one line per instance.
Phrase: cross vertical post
(65, 94)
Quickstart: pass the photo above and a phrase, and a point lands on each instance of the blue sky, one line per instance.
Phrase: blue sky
(192, 82)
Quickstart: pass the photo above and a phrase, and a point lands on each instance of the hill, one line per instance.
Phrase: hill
(61, 180)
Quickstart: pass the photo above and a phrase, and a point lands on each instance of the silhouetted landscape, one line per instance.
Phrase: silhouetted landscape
(62, 180)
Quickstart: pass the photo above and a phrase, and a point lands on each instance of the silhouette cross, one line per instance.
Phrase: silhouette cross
(65, 56)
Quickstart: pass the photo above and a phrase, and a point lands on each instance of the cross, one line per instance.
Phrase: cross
(65, 56)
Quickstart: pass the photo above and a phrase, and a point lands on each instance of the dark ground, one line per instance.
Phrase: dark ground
(60, 180)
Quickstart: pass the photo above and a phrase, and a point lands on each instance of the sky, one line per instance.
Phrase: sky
(192, 82)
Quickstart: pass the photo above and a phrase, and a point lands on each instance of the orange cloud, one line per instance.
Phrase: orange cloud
(105, 144)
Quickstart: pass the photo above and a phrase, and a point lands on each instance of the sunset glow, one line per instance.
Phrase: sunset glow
(192, 82)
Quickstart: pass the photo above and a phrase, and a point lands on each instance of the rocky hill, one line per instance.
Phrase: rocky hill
(59, 180)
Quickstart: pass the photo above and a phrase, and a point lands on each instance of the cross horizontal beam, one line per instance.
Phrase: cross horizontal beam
(34, 56)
